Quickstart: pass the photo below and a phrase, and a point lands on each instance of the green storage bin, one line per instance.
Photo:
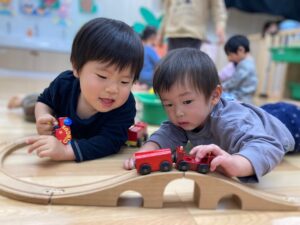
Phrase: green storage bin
(294, 90)
(152, 109)
(286, 54)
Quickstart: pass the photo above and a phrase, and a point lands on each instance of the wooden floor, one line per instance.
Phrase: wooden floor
(178, 205)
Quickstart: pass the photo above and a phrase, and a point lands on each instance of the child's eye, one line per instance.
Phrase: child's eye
(101, 76)
(187, 102)
(125, 82)
(167, 105)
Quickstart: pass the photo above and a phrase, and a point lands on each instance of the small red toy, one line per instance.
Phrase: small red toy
(137, 134)
(63, 131)
(155, 160)
(185, 162)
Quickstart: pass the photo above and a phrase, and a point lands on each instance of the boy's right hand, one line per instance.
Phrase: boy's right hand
(129, 164)
(45, 124)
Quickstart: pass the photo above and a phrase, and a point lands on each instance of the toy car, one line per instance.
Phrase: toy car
(63, 131)
(155, 160)
(137, 134)
(162, 160)
(185, 162)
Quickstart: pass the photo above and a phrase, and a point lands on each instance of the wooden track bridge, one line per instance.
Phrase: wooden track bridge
(208, 189)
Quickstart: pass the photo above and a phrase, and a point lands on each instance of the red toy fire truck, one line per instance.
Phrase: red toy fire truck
(137, 134)
(161, 160)
(185, 162)
(63, 131)
(155, 160)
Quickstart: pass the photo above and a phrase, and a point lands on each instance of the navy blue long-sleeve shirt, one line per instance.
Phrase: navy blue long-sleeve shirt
(100, 135)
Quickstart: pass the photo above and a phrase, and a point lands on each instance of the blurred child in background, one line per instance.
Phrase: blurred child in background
(243, 82)
(149, 38)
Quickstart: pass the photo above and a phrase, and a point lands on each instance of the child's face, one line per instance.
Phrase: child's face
(186, 107)
(238, 56)
(103, 87)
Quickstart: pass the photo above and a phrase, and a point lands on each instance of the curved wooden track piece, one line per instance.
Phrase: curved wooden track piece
(209, 189)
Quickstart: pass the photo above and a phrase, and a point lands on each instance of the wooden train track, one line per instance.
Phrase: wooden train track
(208, 191)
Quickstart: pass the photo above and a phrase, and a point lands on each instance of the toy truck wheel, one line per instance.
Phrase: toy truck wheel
(204, 168)
(183, 166)
(165, 166)
(145, 169)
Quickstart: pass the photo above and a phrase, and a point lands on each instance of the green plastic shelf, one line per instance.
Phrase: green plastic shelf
(286, 54)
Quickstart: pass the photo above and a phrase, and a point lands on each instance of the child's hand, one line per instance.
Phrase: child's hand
(129, 164)
(45, 124)
(49, 146)
(230, 165)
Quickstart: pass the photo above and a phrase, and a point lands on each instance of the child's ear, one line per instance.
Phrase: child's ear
(216, 95)
(75, 72)
(241, 49)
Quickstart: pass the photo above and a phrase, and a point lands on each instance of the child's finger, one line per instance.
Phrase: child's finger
(44, 153)
(31, 149)
(195, 149)
(49, 120)
(215, 163)
(54, 121)
(36, 145)
(201, 151)
(45, 120)
(126, 164)
(131, 163)
(31, 139)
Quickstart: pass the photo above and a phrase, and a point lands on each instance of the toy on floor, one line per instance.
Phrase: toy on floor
(154, 160)
(185, 162)
(162, 160)
(63, 131)
(137, 134)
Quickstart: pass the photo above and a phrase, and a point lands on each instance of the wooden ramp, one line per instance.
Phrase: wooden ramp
(208, 191)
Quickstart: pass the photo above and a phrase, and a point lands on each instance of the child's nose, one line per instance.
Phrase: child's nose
(179, 112)
(112, 88)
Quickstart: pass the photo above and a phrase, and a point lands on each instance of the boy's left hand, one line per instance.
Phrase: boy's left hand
(49, 146)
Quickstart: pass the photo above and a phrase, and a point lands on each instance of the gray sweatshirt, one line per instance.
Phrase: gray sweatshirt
(242, 84)
(238, 129)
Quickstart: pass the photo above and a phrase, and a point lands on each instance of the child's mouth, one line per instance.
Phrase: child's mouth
(107, 102)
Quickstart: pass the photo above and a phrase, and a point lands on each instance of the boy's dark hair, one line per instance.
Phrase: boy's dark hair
(186, 65)
(235, 42)
(148, 32)
(109, 41)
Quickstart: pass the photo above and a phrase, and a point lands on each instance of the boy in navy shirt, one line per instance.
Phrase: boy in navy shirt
(107, 57)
